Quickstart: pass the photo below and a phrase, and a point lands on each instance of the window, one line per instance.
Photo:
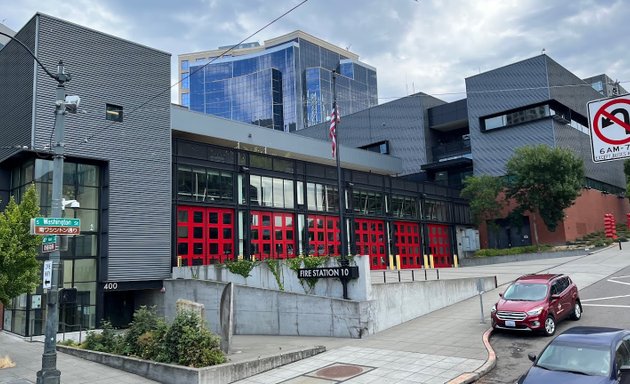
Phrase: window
(515, 117)
(404, 206)
(184, 65)
(186, 99)
(114, 113)
(185, 81)
(367, 203)
(380, 147)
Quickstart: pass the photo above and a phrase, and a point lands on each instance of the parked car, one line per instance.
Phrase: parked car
(583, 355)
(537, 303)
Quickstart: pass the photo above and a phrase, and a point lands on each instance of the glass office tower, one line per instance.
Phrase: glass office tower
(285, 85)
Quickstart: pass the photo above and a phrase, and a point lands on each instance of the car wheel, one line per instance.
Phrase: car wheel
(577, 311)
(550, 326)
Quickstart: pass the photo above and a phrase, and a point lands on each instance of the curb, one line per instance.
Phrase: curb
(491, 362)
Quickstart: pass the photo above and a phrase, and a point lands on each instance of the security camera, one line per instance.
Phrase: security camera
(69, 203)
(72, 103)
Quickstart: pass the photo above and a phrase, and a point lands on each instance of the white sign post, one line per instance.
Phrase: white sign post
(609, 122)
(47, 276)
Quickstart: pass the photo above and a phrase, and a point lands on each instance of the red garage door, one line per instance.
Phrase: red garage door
(439, 245)
(272, 235)
(370, 240)
(407, 243)
(204, 235)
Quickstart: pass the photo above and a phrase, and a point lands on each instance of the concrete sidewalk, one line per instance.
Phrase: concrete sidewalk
(435, 348)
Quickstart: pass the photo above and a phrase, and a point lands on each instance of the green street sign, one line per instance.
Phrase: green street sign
(56, 222)
(46, 226)
(49, 239)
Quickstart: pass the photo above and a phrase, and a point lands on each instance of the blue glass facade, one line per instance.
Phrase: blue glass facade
(286, 87)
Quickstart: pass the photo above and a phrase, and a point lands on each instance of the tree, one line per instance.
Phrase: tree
(483, 193)
(544, 180)
(19, 268)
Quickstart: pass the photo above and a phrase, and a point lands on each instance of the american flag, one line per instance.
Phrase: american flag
(334, 119)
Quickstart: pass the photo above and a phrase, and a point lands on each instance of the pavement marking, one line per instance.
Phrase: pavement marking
(604, 298)
(606, 305)
(618, 282)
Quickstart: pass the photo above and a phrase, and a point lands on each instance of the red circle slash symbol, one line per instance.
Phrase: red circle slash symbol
(609, 118)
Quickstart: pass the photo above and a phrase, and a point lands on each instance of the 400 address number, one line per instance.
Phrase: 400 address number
(110, 286)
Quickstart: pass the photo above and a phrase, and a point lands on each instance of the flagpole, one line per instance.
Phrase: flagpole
(342, 201)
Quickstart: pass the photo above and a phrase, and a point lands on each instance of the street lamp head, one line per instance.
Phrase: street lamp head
(72, 103)
(69, 203)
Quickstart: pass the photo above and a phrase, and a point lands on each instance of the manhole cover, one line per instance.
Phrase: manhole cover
(340, 371)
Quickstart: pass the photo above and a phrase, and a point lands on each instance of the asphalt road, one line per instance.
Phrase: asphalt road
(605, 303)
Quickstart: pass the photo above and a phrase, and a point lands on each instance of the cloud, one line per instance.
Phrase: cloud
(423, 45)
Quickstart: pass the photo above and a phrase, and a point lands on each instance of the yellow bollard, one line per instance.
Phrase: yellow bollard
(431, 261)
(397, 261)
(253, 257)
(391, 262)
(426, 261)
(455, 261)
(179, 261)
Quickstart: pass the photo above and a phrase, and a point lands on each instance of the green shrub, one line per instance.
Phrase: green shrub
(68, 343)
(241, 267)
(144, 320)
(489, 252)
(105, 341)
(152, 344)
(189, 343)
(185, 342)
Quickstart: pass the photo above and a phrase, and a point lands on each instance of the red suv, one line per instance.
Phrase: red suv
(537, 303)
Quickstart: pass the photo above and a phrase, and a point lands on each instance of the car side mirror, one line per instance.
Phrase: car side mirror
(501, 294)
(531, 357)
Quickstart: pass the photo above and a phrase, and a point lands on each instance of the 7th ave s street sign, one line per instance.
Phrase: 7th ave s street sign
(609, 122)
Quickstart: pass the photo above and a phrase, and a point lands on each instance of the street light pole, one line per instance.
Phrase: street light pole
(49, 374)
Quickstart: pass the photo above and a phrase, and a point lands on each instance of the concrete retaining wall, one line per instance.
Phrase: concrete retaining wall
(262, 277)
(394, 304)
(269, 312)
(169, 373)
(476, 261)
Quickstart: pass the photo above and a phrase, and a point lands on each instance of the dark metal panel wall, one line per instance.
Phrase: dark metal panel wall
(502, 89)
(571, 91)
(16, 91)
(105, 70)
(402, 122)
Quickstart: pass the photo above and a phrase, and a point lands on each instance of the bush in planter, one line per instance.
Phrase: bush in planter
(105, 341)
(185, 342)
(189, 343)
(145, 320)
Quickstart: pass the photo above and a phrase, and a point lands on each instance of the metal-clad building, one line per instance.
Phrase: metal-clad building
(118, 169)
(518, 94)
(159, 185)
(398, 128)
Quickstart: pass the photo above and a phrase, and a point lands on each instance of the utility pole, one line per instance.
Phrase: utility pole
(49, 374)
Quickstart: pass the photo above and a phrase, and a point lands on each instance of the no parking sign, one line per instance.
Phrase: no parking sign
(609, 121)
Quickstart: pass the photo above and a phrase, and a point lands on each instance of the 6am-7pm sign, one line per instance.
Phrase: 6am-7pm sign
(55, 226)
(609, 120)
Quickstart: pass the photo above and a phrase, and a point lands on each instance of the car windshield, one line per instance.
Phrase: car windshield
(526, 292)
(587, 360)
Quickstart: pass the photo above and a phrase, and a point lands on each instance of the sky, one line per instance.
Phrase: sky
(415, 45)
